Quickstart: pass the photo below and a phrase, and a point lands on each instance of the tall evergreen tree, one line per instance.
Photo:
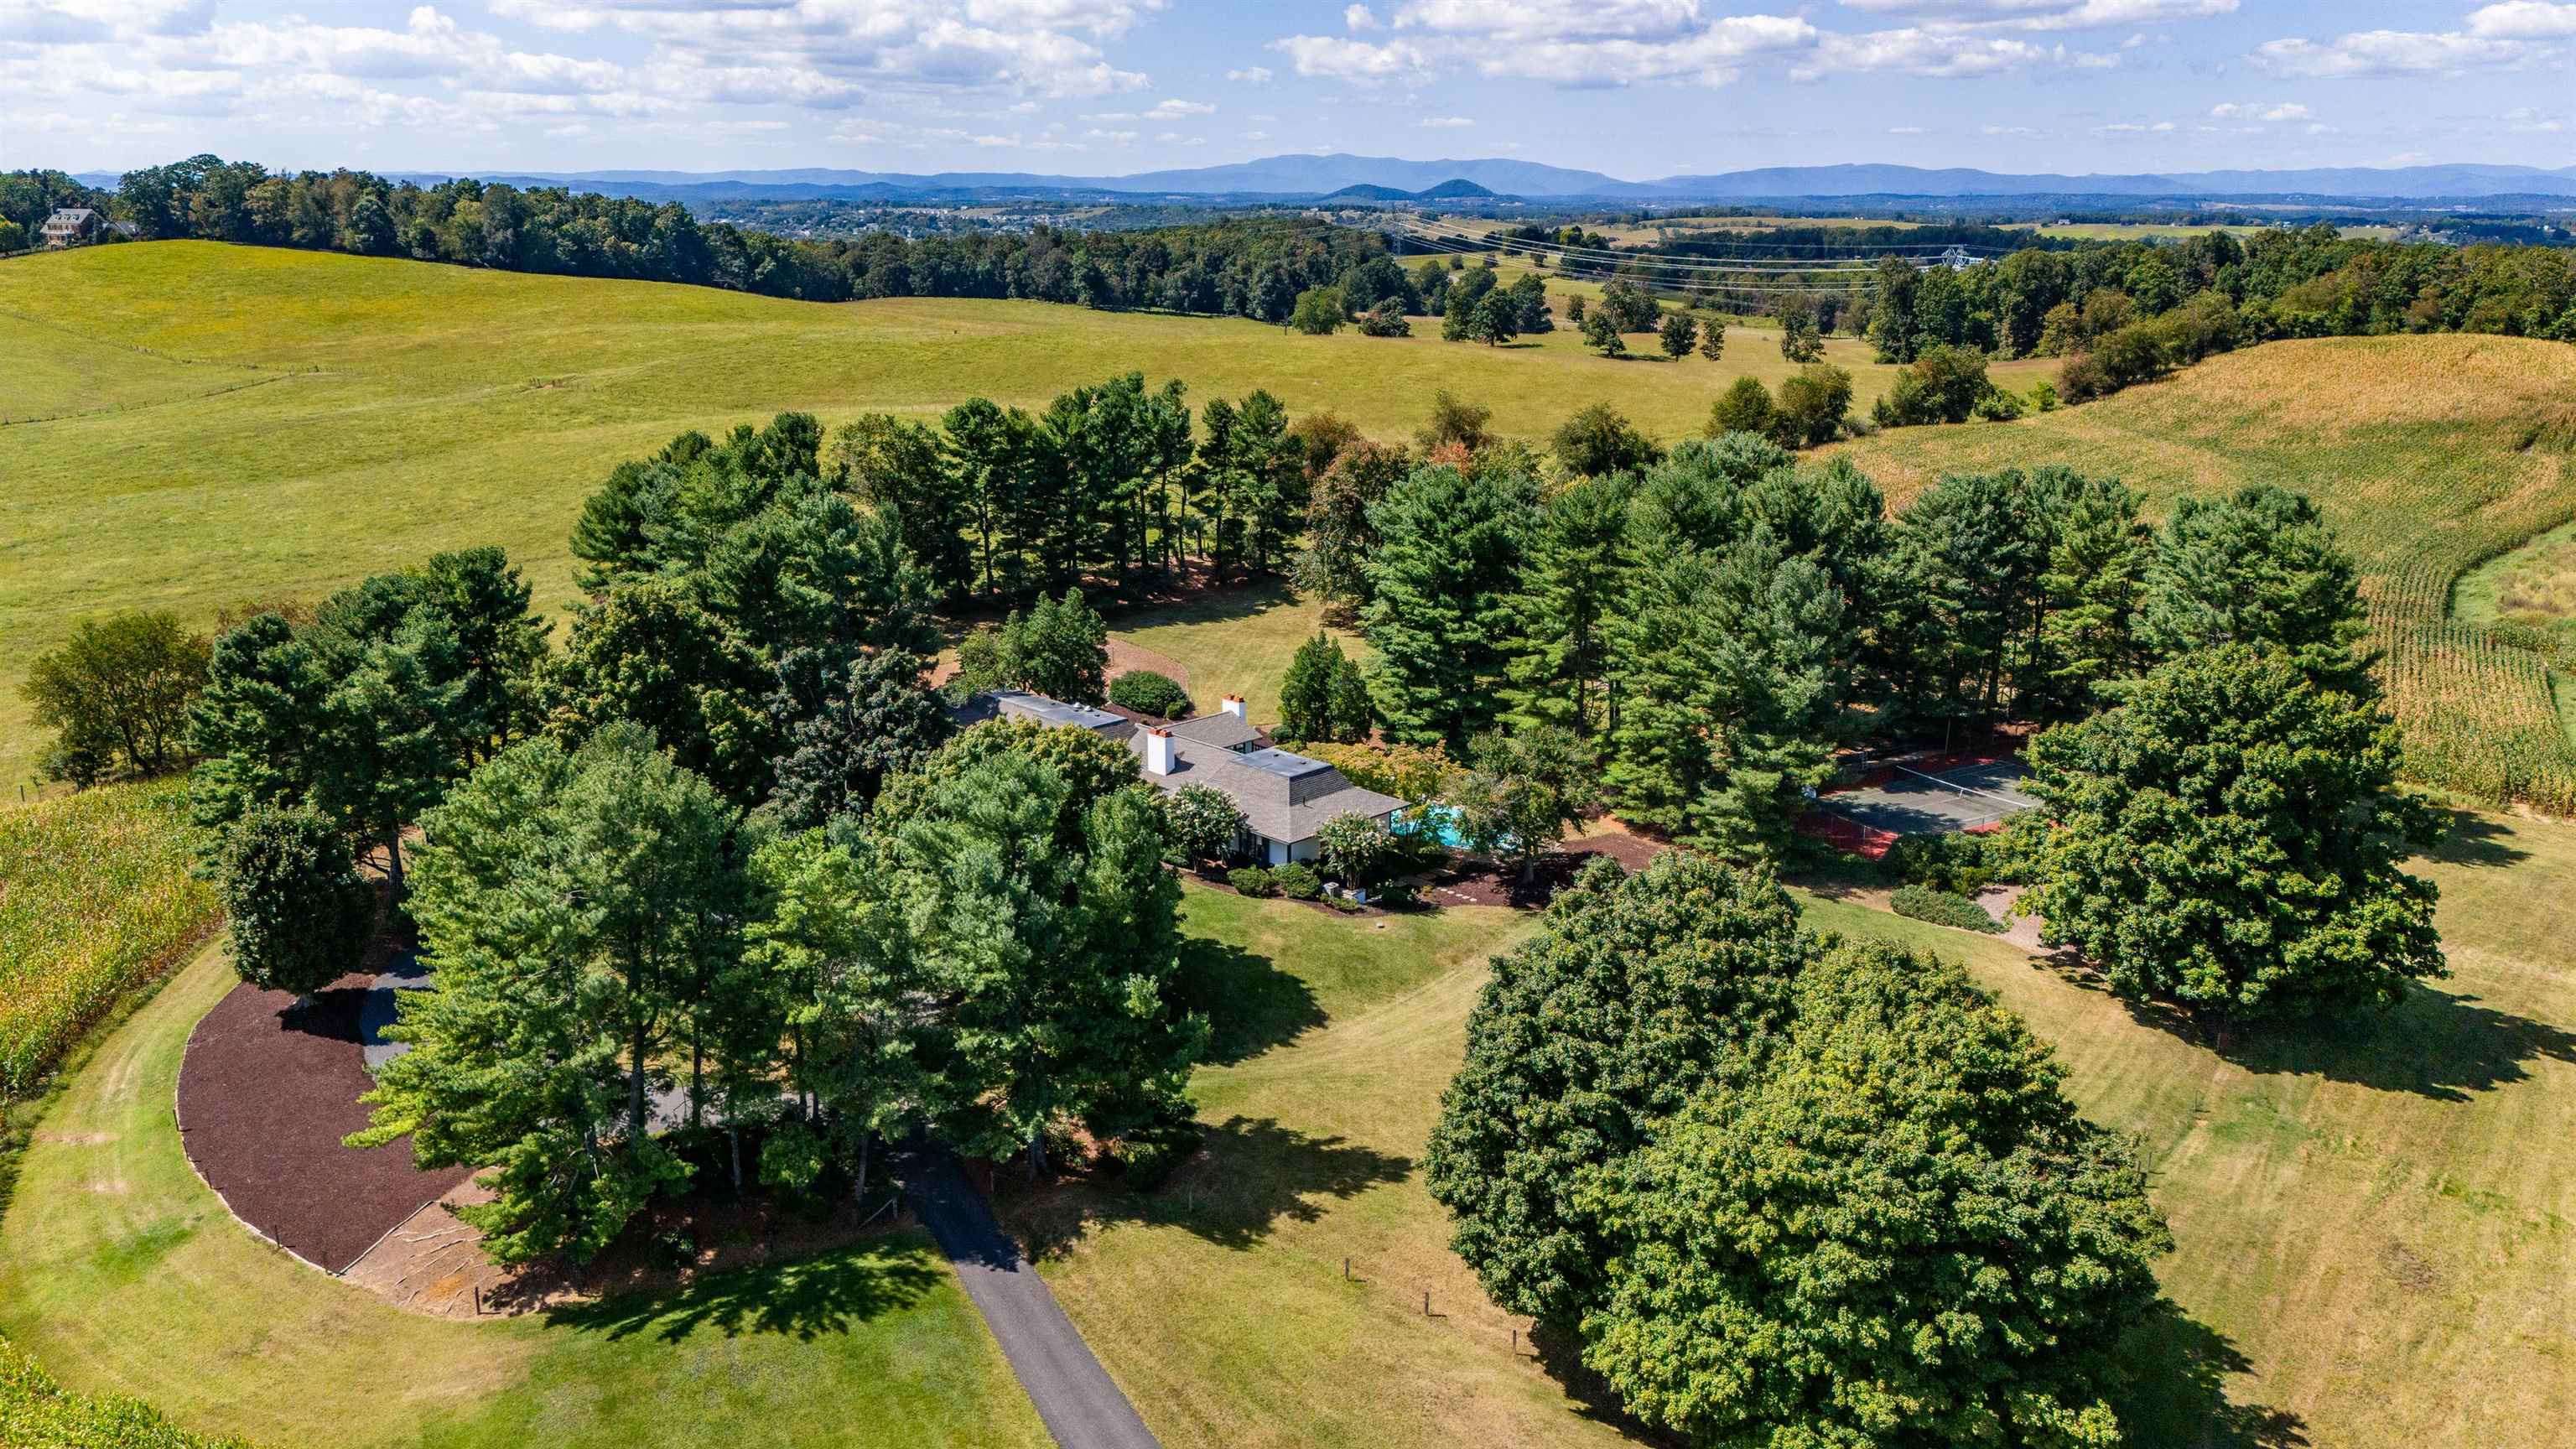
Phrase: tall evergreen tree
(900, 465)
(2097, 554)
(1439, 608)
(2258, 567)
(1568, 590)
(1051, 965)
(568, 901)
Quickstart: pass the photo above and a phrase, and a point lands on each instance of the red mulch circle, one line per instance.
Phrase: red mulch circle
(265, 1095)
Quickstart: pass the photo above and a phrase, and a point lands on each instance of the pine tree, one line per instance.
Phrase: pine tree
(1438, 613)
(2258, 567)
(1568, 588)
(2097, 555)
(570, 903)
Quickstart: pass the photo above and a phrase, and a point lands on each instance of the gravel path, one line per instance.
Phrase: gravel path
(1082, 1407)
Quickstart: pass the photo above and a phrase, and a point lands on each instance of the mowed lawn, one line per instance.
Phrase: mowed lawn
(120, 1271)
(247, 424)
(2374, 1226)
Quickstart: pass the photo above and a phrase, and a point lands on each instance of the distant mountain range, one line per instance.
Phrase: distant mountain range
(1303, 177)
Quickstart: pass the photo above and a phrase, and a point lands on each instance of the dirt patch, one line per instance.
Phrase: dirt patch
(434, 1263)
(266, 1092)
(1126, 658)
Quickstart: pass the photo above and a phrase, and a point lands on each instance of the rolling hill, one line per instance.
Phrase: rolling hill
(236, 423)
(2420, 449)
(1305, 176)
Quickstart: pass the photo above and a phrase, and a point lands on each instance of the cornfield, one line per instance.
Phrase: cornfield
(2429, 454)
(95, 898)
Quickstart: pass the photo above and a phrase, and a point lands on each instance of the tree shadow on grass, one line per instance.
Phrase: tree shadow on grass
(2177, 1393)
(2433, 1043)
(1250, 1176)
(1204, 601)
(1559, 1350)
(808, 1298)
(2176, 1397)
(1251, 1005)
(2481, 840)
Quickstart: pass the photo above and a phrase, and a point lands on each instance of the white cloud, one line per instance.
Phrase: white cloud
(2047, 14)
(1942, 52)
(1356, 61)
(2261, 111)
(1905, 130)
(1358, 17)
(1173, 110)
(2392, 52)
(1563, 42)
(2524, 20)
(2142, 128)
(1445, 123)
(1251, 75)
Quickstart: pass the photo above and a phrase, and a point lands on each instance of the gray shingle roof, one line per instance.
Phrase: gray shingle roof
(1284, 797)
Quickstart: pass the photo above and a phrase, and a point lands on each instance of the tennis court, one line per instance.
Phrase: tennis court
(1896, 800)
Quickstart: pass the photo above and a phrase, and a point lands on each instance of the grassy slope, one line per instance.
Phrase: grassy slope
(2374, 1230)
(1237, 641)
(455, 407)
(2378, 1221)
(1219, 1304)
(2413, 446)
(2533, 587)
(121, 1272)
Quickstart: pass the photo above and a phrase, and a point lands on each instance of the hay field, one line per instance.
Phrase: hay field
(2418, 448)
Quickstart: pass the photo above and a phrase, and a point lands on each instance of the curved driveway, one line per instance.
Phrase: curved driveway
(1082, 1407)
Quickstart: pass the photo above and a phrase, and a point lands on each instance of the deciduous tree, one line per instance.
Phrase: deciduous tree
(2230, 839)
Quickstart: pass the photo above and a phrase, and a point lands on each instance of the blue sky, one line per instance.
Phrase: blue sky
(1636, 88)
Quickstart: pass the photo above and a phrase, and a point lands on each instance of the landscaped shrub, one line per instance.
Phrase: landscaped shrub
(1941, 908)
(1252, 880)
(1150, 1154)
(1146, 692)
(1297, 881)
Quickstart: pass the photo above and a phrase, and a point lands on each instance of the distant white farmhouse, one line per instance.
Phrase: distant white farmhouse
(71, 225)
(1285, 798)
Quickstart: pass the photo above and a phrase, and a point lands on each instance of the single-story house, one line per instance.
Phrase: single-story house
(70, 225)
(1285, 798)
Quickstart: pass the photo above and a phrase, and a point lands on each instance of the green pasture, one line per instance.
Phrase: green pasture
(246, 423)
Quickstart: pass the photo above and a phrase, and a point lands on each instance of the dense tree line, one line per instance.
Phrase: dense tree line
(1716, 622)
(1114, 480)
(1250, 268)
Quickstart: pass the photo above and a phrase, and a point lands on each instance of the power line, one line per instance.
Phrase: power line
(1457, 231)
(1592, 259)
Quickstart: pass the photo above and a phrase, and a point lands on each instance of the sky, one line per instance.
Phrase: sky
(1635, 88)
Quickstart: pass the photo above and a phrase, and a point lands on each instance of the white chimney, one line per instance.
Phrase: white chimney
(1233, 705)
(1158, 752)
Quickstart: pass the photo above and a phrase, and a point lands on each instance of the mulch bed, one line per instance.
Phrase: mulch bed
(265, 1095)
(1481, 883)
